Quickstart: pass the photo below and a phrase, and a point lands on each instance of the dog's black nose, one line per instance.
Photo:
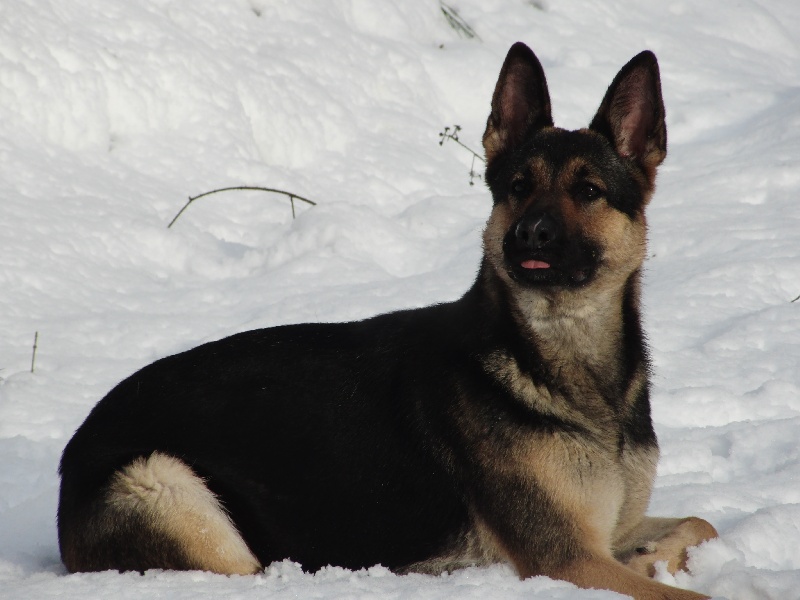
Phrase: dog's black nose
(536, 231)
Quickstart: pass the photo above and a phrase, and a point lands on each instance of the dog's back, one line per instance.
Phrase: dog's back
(322, 440)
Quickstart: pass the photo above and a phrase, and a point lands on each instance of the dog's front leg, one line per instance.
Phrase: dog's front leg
(607, 573)
(662, 539)
(594, 569)
(540, 537)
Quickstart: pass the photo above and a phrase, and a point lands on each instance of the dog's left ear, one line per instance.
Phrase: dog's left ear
(631, 115)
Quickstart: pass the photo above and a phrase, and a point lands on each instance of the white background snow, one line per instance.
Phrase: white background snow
(112, 112)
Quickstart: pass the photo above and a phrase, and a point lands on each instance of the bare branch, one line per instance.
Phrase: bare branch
(292, 198)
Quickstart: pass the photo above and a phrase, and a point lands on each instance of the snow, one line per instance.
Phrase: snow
(113, 112)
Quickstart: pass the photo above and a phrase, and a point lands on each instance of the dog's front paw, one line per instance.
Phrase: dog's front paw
(671, 548)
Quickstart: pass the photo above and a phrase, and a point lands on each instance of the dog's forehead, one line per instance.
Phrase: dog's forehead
(558, 160)
(559, 153)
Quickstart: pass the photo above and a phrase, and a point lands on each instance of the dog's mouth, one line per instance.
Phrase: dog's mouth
(534, 264)
(550, 270)
(539, 251)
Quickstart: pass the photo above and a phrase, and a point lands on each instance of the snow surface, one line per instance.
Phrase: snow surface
(112, 112)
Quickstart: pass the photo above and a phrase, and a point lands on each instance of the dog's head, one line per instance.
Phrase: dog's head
(569, 205)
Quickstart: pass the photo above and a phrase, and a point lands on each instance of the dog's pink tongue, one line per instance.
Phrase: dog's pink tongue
(535, 264)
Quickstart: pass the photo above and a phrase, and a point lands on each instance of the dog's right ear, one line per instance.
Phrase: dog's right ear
(520, 102)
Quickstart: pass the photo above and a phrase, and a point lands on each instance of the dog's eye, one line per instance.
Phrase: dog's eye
(520, 186)
(588, 192)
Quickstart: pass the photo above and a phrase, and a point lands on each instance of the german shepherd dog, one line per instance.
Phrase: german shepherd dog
(512, 425)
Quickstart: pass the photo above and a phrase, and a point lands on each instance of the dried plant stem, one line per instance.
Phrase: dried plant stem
(452, 134)
(457, 22)
(292, 197)
(35, 346)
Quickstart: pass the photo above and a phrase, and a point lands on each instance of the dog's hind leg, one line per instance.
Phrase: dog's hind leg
(155, 513)
(662, 539)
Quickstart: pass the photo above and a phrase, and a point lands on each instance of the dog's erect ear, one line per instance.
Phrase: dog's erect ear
(631, 115)
(520, 102)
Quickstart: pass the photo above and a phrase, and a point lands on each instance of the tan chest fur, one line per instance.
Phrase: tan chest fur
(593, 475)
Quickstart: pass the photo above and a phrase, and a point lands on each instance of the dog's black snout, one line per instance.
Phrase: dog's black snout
(536, 231)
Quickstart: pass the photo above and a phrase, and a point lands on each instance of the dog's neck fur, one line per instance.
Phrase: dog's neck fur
(562, 327)
(581, 327)
(572, 339)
